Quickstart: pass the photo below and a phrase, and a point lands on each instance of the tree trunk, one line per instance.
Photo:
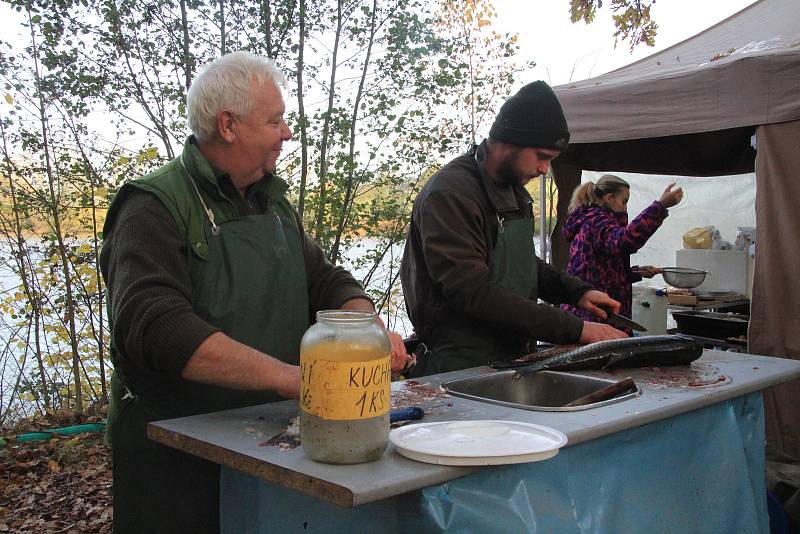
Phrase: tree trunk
(69, 304)
(100, 332)
(301, 112)
(323, 150)
(222, 28)
(266, 27)
(20, 256)
(123, 46)
(349, 195)
(188, 59)
(94, 178)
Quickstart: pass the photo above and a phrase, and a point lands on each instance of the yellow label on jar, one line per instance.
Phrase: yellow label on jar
(346, 390)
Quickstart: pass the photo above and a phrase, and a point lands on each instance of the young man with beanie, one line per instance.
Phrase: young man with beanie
(470, 274)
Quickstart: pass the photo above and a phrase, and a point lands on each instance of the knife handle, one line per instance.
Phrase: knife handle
(606, 393)
(410, 413)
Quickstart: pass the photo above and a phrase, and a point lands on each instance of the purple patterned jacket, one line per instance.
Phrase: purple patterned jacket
(601, 243)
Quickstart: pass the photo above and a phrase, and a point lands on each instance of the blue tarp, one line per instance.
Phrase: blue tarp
(700, 472)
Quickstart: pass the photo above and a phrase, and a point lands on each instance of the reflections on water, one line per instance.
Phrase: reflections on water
(381, 280)
(394, 313)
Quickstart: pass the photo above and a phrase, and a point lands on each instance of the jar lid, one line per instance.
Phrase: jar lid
(345, 317)
(483, 442)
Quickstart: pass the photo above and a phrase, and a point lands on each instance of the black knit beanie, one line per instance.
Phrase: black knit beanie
(532, 118)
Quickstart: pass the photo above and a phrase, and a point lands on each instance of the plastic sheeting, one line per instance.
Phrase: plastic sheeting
(725, 202)
(700, 472)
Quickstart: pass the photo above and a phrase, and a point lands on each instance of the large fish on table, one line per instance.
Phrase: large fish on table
(643, 351)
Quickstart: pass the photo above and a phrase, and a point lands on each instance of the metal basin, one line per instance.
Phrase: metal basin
(546, 391)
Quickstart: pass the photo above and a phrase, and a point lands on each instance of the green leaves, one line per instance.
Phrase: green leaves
(631, 18)
(633, 23)
(584, 10)
(109, 100)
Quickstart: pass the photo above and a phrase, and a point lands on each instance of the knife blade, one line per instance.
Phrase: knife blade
(615, 319)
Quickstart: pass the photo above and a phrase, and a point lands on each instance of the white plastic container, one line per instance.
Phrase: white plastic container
(727, 269)
(650, 309)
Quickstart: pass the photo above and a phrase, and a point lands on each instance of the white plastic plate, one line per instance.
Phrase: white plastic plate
(484, 442)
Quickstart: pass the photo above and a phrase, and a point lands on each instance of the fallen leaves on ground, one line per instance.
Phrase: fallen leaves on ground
(59, 485)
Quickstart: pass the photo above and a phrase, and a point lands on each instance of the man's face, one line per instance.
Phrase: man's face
(260, 134)
(523, 164)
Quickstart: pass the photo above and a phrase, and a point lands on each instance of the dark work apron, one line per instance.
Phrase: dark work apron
(458, 342)
(254, 289)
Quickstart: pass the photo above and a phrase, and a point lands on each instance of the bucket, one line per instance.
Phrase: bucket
(650, 309)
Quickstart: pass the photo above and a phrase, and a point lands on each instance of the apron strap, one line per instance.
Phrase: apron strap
(210, 214)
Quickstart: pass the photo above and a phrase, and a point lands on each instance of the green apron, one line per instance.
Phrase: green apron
(254, 289)
(458, 342)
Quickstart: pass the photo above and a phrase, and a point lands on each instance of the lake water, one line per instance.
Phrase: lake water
(393, 312)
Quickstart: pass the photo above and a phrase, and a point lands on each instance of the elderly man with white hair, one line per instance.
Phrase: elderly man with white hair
(212, 282)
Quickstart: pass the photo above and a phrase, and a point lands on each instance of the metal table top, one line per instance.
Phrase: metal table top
(236, 438)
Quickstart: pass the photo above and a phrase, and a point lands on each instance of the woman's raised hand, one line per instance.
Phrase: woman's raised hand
(646, 271)
(671, 197)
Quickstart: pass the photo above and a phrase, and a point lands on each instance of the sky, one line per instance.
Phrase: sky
(566, 52)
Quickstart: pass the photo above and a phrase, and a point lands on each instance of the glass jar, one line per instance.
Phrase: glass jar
(345, 365)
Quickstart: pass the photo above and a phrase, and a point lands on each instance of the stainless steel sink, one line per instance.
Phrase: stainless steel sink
(547, 391)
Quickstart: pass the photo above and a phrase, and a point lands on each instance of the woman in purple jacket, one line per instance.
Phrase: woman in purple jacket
(602, 241)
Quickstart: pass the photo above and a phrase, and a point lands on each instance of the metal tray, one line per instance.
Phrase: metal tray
(711, 324)
(546, 391)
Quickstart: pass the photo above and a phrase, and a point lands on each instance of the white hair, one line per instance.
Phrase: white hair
(224, 85)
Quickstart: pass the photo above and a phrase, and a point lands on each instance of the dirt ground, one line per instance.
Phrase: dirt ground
(59, 485)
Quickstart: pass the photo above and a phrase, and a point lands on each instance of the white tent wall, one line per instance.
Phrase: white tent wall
(725, 202)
